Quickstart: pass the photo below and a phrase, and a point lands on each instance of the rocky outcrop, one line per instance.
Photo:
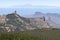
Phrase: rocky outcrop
(14, 22)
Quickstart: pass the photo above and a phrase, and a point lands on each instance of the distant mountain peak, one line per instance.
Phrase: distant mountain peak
(14, 12)
(38, 13)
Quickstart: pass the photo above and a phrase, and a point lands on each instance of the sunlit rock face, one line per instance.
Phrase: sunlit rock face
(2, 18)
(14, 23)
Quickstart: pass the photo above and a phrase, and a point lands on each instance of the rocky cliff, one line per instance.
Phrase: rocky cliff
(14, 23)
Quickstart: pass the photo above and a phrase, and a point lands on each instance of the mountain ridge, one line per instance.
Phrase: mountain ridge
(14, 22)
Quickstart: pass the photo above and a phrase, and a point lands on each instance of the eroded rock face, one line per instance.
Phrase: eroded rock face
(2, 18)
(39, 22)
(13, 22)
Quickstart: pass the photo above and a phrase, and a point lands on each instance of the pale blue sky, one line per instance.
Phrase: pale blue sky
(46, 6)
(12, 3)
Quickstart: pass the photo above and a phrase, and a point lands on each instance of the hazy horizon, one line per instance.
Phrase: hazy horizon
(29, 11)
(28, 7)
(12, 3)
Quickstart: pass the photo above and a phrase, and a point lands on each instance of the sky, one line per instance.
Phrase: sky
(49, 4)
(12, 3)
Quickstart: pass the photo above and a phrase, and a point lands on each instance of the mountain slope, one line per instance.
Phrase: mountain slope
(14, 22)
